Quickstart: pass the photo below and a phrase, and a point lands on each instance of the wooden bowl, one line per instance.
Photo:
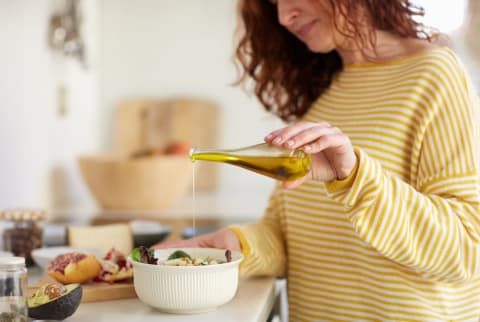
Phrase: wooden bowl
(147, 183)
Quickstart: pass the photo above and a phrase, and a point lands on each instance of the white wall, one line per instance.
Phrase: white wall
(442, 15)
(182, 47)
(39, 147)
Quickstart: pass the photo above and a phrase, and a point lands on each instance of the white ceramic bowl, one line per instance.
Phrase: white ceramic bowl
(43, 256)
(187, 289)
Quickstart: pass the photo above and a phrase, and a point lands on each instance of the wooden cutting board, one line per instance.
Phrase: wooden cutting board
(95, 291)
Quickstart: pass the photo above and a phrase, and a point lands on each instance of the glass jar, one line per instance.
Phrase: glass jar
(13, 290)
(22, 232)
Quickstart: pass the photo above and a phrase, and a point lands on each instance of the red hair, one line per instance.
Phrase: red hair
(287, 76)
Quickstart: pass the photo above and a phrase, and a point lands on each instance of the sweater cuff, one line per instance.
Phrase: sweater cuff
(367, 178)
(338, 185)
(243, 241)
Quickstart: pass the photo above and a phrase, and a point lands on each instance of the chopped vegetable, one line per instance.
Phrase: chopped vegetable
(144, 255)
(228, 255)
(181, 258)
(177, 258)
(179, 254)
(136, 254)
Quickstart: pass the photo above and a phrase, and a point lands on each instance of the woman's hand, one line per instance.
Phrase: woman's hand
(223, 239)
(332, 152)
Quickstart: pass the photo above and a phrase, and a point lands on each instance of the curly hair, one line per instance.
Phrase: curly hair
(287, 76)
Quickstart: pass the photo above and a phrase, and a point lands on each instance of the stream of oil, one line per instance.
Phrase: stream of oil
(194, 204)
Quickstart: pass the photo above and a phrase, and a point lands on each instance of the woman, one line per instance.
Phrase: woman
(386, 226)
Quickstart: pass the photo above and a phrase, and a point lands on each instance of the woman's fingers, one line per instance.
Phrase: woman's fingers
(312, 139)
(328, 141)
(315, 139)
(282, 136)
(303, 135)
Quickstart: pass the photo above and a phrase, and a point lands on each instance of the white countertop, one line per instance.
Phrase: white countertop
(252, 303)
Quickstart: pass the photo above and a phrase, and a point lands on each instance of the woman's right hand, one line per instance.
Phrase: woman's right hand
(224, 239)
(333, 156)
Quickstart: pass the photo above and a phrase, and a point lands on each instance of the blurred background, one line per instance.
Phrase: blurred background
(69, 67)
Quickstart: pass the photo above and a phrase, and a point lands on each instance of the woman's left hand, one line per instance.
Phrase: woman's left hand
(332, 152)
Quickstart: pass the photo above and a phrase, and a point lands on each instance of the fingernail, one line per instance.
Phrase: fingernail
(277, 140)
(269, 136)
(308, 147)
(290, 142)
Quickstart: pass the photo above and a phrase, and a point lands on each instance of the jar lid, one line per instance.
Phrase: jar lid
(11, 262)
(22, 214)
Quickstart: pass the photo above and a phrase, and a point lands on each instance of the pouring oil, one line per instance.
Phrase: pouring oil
(277, 163)
(194, 202)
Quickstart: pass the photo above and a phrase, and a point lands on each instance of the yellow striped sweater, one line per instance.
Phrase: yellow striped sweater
(399, 240)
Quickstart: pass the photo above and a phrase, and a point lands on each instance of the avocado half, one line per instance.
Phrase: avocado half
(42, 307)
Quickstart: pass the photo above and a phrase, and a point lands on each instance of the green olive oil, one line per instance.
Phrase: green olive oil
(277, 163)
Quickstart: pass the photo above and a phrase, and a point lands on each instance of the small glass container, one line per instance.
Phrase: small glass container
(23, 232)
(13, 290)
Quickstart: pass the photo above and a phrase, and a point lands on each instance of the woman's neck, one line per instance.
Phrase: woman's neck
(386, 47)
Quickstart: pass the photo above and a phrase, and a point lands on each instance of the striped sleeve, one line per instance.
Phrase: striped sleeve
(432, 224)
(263, 242)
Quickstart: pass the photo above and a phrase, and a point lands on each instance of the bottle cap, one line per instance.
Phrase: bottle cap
(11, 262)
